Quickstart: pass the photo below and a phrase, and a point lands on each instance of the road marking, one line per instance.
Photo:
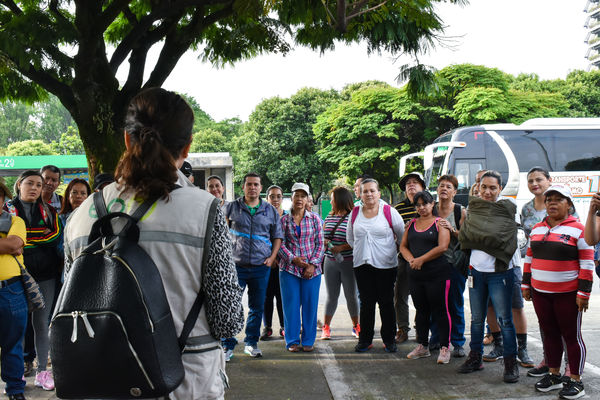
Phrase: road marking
(334, 376)
(589, 368)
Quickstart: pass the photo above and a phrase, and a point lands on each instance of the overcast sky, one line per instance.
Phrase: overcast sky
(545, 37)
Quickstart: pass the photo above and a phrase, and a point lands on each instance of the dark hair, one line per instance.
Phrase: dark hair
(492, 174)
(425, 196)
(215, 177)
(250, 175)
(364, 176)
(274, 187)
(51, 168)
(368, 180)
(542, 170)
(343, 199)
(159, 124)
(450, 178)
(22, 177)
(66, 205)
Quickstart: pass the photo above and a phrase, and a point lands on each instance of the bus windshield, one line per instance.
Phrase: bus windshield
(437, 168)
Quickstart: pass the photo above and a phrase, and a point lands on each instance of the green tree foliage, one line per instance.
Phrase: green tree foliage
(582, 91)
(54, 120)
(30, 148)
(209, 141)
(69, 143)
(278, 141)
(60, 46)
(16, 122)
(369, 132)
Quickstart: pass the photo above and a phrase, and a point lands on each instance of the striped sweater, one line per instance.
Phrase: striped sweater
(558, 259)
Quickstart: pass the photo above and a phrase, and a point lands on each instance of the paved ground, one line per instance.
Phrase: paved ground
(335, 371)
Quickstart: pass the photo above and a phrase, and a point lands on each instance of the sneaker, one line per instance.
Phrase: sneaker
(326, 332)
(266, 333)
(253, 351)
(362, 347)
(495, 354)
(294, 348)
(16, 396)
(228, 354)
(28, 366)
(458, 352)
(472, 363)
(401, 335)
(572, 390)
(539, 371)
(419, 352)
(524, 359)
(549, 382)
(434, 346)
(44, 380)
(281, 332)
(511, 370)
(390, 347)
(444, 356)
(356, 330)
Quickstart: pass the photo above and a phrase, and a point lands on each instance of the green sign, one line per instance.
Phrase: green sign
(37, 162)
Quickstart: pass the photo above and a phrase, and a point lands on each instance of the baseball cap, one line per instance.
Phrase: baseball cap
(301, 186)
(561, 189)
(186, 169)
(102, 180)
(411, 175)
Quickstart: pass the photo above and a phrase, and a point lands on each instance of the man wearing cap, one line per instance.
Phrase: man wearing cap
(411, 184)
(102, 180)
(187, 170)
(256, 235)
(13, 304)
(51, 180)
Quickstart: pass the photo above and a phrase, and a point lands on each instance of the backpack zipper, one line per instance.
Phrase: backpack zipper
(91, 333)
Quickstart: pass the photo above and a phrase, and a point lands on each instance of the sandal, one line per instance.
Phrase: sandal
(488, 339)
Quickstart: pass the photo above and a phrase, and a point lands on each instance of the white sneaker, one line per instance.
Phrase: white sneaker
(253, 351)
(444, 356)
(228, 354)
(45, 380)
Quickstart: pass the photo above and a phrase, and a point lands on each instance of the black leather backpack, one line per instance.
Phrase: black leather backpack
(112, 333)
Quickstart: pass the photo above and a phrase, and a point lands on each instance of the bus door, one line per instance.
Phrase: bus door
(465, 170)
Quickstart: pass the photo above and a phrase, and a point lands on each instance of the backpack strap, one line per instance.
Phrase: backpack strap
(354, 214)
(387, 212)
(457, 214)
(190, 320)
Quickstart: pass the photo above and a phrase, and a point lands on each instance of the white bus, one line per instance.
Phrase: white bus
(567, 147)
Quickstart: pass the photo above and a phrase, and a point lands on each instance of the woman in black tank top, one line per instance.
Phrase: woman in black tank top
(423, 247)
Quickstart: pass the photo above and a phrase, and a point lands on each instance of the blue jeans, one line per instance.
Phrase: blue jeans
(257, 279)
(300, 298)
(456, 306)
(13, 319)
(498, 287)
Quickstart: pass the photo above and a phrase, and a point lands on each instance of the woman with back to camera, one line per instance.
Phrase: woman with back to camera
(158, 134)
(42, 260)
(374, 232)
(338, 261)
(557, 276)
(423, 248)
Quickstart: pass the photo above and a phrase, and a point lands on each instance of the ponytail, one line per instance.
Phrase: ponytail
(159, 124)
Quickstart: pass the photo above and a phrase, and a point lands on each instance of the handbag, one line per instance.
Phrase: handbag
(35, 299)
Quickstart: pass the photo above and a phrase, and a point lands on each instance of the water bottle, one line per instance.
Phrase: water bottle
(338, 256)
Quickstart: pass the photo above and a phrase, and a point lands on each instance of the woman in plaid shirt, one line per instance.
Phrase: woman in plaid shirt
(301, 254)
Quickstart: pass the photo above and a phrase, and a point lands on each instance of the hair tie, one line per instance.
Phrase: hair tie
(148, 133)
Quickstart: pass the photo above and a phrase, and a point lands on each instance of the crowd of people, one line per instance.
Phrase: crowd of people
(380, 255)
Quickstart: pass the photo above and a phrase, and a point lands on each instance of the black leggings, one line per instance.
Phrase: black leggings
(273, 291)
(430, 298)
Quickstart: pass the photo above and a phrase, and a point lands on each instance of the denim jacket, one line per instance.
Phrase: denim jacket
(252, 235)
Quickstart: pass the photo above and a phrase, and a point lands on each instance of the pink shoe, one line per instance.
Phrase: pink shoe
(44, 380)
(444, 357)
(356, 330)
(419, 352)
(326, 332)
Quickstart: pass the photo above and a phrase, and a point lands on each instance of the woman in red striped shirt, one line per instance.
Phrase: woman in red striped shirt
(558, 275)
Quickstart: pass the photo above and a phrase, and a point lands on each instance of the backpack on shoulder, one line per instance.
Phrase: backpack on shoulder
(112, 333)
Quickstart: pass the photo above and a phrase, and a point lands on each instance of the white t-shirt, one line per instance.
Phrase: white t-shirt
(483, 262)
(372, 239)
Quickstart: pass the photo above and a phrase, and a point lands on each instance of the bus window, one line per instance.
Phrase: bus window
(528, 150)
(465, 172)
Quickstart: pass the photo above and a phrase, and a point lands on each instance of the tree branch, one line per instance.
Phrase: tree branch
(348, 18)
(53, 7)
(111, 12)
(12, 6)
(130, 16)
(178, 42)
(329, 13)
